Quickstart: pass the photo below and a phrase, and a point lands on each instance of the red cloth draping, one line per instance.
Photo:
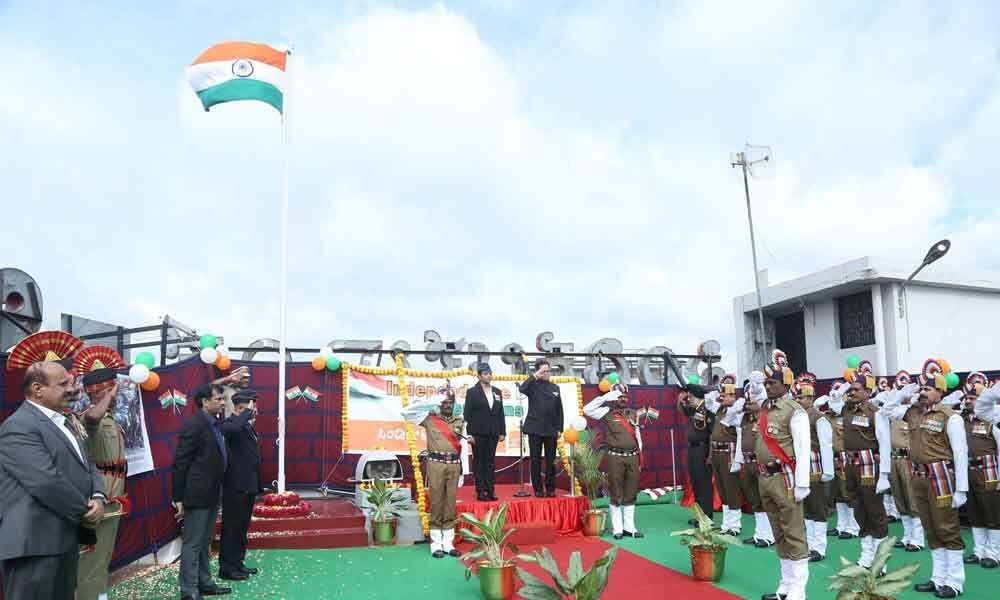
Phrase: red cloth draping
(563, 512)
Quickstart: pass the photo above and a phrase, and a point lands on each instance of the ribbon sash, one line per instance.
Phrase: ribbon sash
(446, 432)
(772, 444)
(631, 430)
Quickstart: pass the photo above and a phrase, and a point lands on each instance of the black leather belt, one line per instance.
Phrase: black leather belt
(113, 468)
(900, 453)
(443, 457)
(623, 451)
(723, 446)
(977, 461)
(749, 457)
(697, 443)
(770, 469)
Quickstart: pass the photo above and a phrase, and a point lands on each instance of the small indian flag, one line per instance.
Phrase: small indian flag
(239, 71)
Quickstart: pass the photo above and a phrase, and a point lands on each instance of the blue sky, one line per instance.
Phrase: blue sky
(490, 170)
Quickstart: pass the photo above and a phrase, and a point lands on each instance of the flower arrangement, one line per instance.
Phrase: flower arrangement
(280, 506)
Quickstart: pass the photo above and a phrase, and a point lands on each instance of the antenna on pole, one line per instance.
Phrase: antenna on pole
(755, 161)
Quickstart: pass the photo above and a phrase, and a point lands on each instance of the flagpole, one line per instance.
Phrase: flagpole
(283, 308)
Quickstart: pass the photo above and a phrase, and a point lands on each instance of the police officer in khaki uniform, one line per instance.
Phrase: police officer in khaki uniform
(866, 457)
(847, 527)
(624, 456)
(783, 450)
(723, 452)
(444, 434)
(899, 477)
(940, 461)
(984, 497)
(820, 468)
(745, 467)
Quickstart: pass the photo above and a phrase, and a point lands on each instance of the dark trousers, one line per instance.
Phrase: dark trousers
(700, 474)
(237, 507)
(484, 453)
(537, 443)
(50, 577)
(196, 537)
(869, 509)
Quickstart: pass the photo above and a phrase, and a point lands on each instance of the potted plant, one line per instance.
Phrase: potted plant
(577, 584)
(708, 547)
(386, 505)
(854, 582)
(587, 468)
(496, 571)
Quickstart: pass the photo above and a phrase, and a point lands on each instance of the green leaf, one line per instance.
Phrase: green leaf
(882, 554)
(844, 562)
(847, 595)
(891, 588)
(549, 565)
(575, 571)
(852, 571)
(684, 532)
(528, 558)
(901, 573)
(535, 588)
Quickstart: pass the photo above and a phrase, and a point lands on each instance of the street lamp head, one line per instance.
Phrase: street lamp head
(937, 251)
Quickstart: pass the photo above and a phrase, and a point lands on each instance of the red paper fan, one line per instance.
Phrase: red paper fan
(97, 357)
(43, 346)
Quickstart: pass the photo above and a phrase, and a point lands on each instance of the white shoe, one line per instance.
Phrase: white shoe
(616, 518)
(437, 542)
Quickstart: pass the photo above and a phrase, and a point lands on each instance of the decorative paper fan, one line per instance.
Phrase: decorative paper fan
(97, 357)
(902, 380)
(930, 370)
(865, 367)
(43, 346)
(975, 379)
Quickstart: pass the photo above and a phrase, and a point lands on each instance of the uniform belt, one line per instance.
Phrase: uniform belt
(723, 446)
(900, 453)
(925, 470)
(113, 468)
(977, 461)
(769, 469)
(623, 451)
(749, 457)
(697, 443)
(443, 457)
(855, 455)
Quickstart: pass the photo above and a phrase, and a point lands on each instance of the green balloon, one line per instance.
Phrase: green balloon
(145, 358)
(853, 361)
(207, 341)
(952, 380)
(694, 379)
(332, 363)
(584, 437)
(613, 377)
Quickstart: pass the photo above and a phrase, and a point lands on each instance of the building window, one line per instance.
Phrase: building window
(857, 320)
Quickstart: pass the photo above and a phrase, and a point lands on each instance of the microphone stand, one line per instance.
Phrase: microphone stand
(521, 492)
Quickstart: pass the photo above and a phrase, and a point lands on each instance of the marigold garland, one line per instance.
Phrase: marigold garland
(418, 477)
(345, 373)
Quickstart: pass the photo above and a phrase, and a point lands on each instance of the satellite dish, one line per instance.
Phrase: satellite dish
(711, 347)
(760, 161)
(264, 345)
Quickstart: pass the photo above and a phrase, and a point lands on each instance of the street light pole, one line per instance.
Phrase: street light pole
(937, 251)
(741, 161)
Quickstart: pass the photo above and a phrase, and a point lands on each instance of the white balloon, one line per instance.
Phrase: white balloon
(326, 352)
(579, 423)
(209, 355)
(138, 373)
(222, 350)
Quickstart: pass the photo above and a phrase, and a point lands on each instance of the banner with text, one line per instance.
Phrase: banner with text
(374, 404)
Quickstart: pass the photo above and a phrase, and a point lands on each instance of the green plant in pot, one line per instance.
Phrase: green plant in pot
(587, 469)
(497, 575)
(577, 584)
(854, 582)
(386, 506)
(708, 547)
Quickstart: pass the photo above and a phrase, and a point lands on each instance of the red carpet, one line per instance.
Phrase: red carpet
(632, 576)
(563, 511)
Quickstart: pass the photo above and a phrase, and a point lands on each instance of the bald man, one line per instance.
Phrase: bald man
(52, 494)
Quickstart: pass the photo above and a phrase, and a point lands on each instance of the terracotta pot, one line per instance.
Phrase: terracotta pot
(384, 532)
(593, 522)
(497, 583)
(708, 563)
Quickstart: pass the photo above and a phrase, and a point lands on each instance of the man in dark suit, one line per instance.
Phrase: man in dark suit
(199, 466)
(543, 424)
(486, 425)
(50, 492)
(240, 487)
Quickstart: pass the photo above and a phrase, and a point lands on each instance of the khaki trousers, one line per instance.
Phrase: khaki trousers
(940, 523)
(786, 517)
(728, 483)
(443, 481)
(869, 510)
(899, 484)
(623, 479)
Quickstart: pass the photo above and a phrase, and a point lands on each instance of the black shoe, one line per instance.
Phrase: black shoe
(539, 494)
(926, 587)
(750, 542)
(815, 556)
(634, 534)
(454, 552)
(618, 536)
(773, 596)
(892, 519)
(763, 543)
(550, 494)
(844, 535)
(438, 554)
(731, 532)
(946, 591)
(250, 570)
(234, 575)
(215, 591)
(912, 548)
(989, 563)
(493, 498)
(971, 559)
(187, 597)
(832, 533)
(899, 545)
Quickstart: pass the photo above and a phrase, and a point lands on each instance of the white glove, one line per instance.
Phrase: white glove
(734, 467)
(826, 477)
(958, 499)
(757, 378)
(712, 396)
(953, 398)
(838, 391)
(800, 493)
(909, 390)
(883, 483)
(821, 401)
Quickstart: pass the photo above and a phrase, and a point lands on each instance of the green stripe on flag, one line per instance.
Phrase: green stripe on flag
(241, 89)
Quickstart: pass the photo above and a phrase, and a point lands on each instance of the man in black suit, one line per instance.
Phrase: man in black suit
(240, 487)
(50, 492)
(543, 424)
(486, 425)
(199, 466)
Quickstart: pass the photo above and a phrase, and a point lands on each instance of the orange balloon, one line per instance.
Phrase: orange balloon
(604, 386)
(152, 383)
(571, 435)
(223, 363)
(849, 375)
(319, 363)
(945, 366)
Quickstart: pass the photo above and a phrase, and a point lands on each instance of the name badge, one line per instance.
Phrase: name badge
(932, 425)
(979, 428)
(860, 421)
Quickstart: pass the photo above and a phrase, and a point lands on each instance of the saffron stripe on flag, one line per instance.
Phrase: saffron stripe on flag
(230, 51)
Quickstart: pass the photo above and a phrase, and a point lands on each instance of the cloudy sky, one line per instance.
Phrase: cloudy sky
(489, 169)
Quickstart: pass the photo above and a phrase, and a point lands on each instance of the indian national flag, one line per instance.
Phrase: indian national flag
(239, 71)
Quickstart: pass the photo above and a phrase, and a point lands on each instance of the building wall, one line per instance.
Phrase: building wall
(823, 353)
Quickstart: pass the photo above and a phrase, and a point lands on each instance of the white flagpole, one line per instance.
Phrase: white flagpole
(282, 334)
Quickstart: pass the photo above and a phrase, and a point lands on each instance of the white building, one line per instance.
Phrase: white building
(853, 308)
